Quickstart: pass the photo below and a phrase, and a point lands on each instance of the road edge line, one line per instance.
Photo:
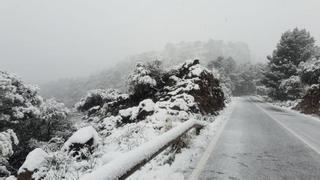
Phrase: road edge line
(206, 155)
(288, 129)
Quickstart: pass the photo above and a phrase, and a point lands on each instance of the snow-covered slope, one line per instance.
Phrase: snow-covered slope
(125, 122)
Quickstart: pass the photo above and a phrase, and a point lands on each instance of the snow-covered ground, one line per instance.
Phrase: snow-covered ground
(187, 159)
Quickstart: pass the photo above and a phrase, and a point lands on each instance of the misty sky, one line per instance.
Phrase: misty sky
(42, 40)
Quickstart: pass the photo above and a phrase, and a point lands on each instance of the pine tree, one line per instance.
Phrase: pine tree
(295, 46)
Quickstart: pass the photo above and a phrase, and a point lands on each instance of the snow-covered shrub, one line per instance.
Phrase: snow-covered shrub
(18, 101)
(55, 123)
(193, 79)
(54, 165)
(310, 103)
(60, 165)
(28, 115)
(310, 72)
(142, 82)
(99, 97)
(262, 90)
(7, 139)
(102, 102)
(291, 88)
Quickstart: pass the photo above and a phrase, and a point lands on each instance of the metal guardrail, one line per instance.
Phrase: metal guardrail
(124, 166)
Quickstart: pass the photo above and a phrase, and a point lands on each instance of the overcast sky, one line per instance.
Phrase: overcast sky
(42, 40)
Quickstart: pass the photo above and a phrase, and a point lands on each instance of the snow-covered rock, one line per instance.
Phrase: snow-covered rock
(84, 137)
(32, 163)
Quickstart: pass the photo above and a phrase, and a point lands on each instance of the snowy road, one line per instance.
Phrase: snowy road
(261, 141)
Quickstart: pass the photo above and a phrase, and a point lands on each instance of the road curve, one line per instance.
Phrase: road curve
(261, 141)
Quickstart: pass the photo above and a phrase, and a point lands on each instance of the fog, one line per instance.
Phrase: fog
(43, 40)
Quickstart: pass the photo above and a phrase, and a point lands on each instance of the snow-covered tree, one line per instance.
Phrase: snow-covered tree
(225, 65)
(295, 46)
(239, 79)
(224, 68)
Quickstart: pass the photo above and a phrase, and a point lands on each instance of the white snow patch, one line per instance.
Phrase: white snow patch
(33, 160)
(11, 178)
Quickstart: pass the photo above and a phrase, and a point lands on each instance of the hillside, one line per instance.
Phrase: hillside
(70, 91)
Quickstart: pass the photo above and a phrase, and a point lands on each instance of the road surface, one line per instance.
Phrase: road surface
(261, 141)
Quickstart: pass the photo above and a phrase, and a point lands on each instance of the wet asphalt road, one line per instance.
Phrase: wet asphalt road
(261, 141)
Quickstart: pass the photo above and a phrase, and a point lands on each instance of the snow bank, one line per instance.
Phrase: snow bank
(33, 160)
(124, 163)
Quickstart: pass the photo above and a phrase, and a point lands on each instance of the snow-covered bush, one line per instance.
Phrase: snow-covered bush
(310, 72)
(60, 165)
(29, 116)
(8, 139)
(102, 101)
(193, 79)
(18, 101)
(262, 90)
(97, 98)
(310, 103)
(291, 88)
(144, 80)
(55, 122)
